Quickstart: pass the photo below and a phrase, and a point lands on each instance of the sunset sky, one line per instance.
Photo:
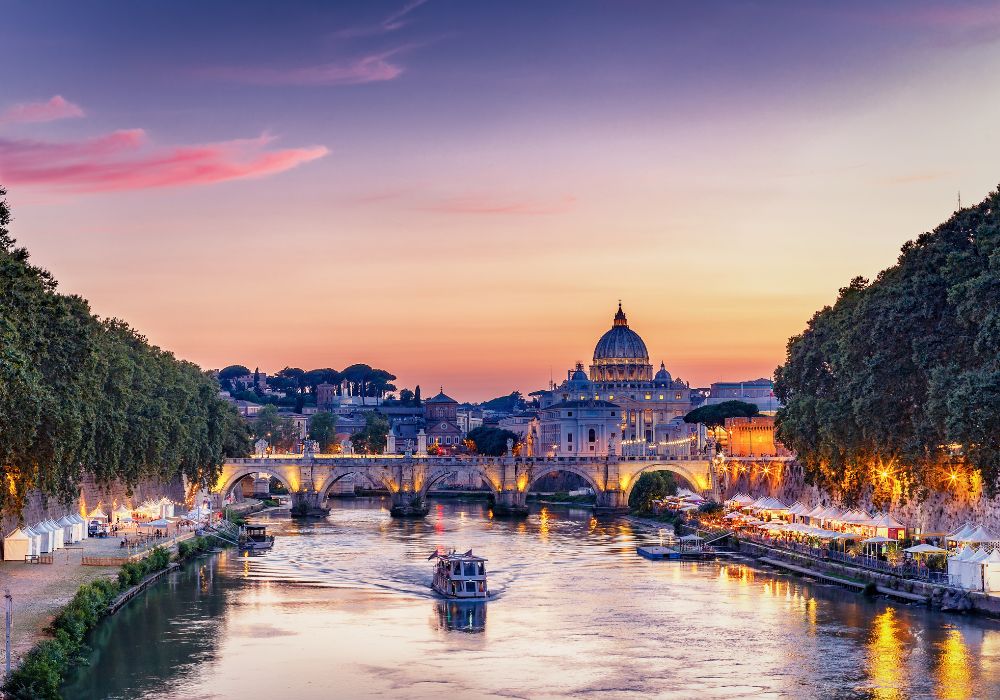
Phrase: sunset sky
(461, 192)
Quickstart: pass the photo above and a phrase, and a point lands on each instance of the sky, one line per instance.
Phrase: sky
(460, 192)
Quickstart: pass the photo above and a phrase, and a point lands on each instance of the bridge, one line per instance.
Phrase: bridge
(408, 478)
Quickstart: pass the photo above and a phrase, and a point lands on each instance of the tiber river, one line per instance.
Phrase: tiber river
(341, 608)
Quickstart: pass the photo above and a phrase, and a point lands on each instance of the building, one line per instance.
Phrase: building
(441, 420)
(753, 437)
(518, 423)
(326, 396)
(648, 404)
(759, 392)
(578, 427)
(469, 419)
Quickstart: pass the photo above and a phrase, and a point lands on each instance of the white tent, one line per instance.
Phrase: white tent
(98, 514)
(960, 532)
(690, 538)
(57, 535)
(123, 514)
(161, 522)
(16, 546)
(979, 536)
(991, 574)
(956, 564)
(36, 540)
(81, 527)
(925, 549)
(46, 538)
(973, 574)
(167, 507)
(68, 528)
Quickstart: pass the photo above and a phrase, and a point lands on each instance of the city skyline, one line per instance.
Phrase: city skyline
(722, 169)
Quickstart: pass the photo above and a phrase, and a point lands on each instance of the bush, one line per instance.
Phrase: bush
(710, 508)
(871, 589)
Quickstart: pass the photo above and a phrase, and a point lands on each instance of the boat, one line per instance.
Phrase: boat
(254, 538)
(657, 552)
(460, 576)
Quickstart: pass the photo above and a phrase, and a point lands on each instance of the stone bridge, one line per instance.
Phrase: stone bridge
(311, 477)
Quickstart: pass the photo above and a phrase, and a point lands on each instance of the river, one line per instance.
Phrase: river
(341, 608)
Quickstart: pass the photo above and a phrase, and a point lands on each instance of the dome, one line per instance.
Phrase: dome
(662, 377)
(621, 342)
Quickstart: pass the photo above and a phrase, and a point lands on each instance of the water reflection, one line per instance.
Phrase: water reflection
(460, 617)
(953, 671)
(343, 607)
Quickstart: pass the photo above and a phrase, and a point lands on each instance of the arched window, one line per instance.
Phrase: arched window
(592, 435)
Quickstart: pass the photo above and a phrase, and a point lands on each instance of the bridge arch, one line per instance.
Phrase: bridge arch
(373, 479)
(229, 479)
(546, 469)
(444, 471)
(696, 481)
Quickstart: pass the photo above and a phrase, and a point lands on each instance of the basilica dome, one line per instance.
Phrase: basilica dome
(621, 355)
(621, 342)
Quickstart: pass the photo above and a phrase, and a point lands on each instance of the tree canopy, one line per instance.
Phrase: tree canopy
(505, 404)
(372, 438)
(716, 414)
(233, 371)
(491, 441)
(902, 373)
(79, 394)
(650, 487)
(323, 429)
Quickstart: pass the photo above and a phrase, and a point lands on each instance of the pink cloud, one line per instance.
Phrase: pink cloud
(396, 20)
(477, 204)
(55, 108)
(123, 160)
(368, 69)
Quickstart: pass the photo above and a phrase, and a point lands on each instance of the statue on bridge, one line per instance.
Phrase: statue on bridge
(613, 445)
(260, 447)
(510, 447)
(347, 447)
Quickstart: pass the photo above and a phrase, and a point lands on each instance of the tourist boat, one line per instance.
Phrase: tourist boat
(460, 576)
(254, 538)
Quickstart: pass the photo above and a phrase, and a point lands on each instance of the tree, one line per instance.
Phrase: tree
(357, 378)
(505, 404)
(372, 438)
(406, 397)
(82, 396)
(416, 396)
(715, 414)
(491, 441)
(898, 383)
(233, 371)
(323, 429)
(651, 486)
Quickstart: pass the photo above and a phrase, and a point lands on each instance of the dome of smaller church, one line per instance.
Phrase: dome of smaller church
(662, 377)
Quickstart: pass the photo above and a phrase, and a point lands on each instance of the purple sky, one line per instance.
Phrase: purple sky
(461, 192)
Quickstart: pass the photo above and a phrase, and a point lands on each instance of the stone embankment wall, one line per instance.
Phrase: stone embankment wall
(91, 494)
(941, 511)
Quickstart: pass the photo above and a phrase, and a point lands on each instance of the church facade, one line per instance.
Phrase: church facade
(641, 411)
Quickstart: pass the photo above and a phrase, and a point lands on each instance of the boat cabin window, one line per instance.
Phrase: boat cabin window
(470, 568)
(470, 586)
(457, 571)
(482, 569)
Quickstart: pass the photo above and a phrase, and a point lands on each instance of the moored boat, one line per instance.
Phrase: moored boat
(460, 576)
(254, 538)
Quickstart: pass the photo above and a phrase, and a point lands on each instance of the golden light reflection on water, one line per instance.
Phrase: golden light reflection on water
(543, 525)
(954, 672)
(885, 657)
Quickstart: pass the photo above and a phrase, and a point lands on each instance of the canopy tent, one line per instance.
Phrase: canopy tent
(991, 574)
(978, 536)
(81, 526)
(123, 514)
(878, 539)
(961, 532)
(690, 538)
(972, 576)
(739, 500)
(160, 522)
(731, 516)
(166, 507)
(69, 529)
(47, 539)
(16, 546)
(58, 538)
(36, 540)
(98, 514)
(925, 549)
